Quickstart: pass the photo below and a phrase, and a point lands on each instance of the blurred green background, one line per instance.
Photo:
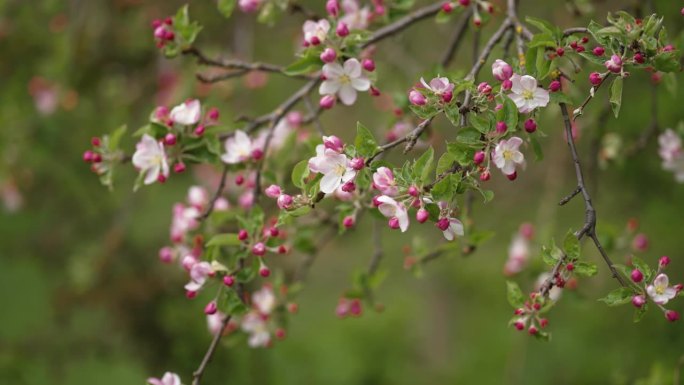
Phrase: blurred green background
(84, 299)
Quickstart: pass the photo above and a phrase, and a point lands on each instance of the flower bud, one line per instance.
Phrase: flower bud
(211, 308)
(95, 141)
(257, 154)
(671, 315)
(229, 280)
(484, 88)
(259, 249)
(555, 86)
(485, 176)
(532, 330)
(374, 91)
(393, 223)
(284, 201)
(560, 51)
(447, 7)
(328, 56)
(501, 70)
(264, 271)
(376, 202)
(640, 242)
(519, 325)
(334, 143)
(327, 102)
(447, 96)
(443, 223)
(273, 191)
(506, 84)
(342, 30)
(213, 114)
(280, 333)
(243, 234)
(422, 215)
(88, 156)
(569, 267)
(638, 301)
(416, 98)
(348, 222)
(543, 322)
(369, 65)
(479, 157)
(199, 130)
(273, 231)
(166, 254)
(637, 275)
(530, 125)
(161, 178)
(332, 7)
(598, 51)
(349, 187)
(639, 58)
(357, 164)
(464, 3)
(668, 48)
(513, 176)
(614, 64)
(292, 308)
(664, 261)
(595, 78)
(179, 167)
(501, 127)
(170, 139)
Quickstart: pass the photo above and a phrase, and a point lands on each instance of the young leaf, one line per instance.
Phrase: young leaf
(224, 240)
(515, 295)
(586, 269)
(299, 173)
(423, 166)
(616, 95)
(643, 267)
(226, 7)
(365, 142)
(619, 296)
(571, 246)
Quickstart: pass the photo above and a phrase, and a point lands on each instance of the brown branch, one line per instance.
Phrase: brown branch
(579, 110)
(572, 31)
(197, 374)
(217, 194)
(403, 23)
(456, 37)
(410, 139)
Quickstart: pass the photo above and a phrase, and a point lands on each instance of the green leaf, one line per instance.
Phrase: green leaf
(226, 7)
(667, 61)
(544, 26)
(482, 123)
(571, 245)
(640, 312)
(365, 142)
(232, 304)
(114, 139)
(488, 195)
(537, 148)
(585, 269)
(445, 162)
(616, 95)
(559, 97)
(299, 173)
(305, 64)
(423, 166)
(643, 267)
(224, 240)
(531, 61)
(509, 114)
(187, 31)
(619, 296)
(515, 295)
(445, 188)
(469, 135)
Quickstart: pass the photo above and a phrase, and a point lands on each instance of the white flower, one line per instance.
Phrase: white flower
(316, 32)
(526, 95)
(215, 322)
(438, 85)
(238, 148)
(355, 17)
(198, 196)
(168, 379)
(518, 254)
(507, 155)
(264, 300)
(199, 272)
(393, 209)
(660, 291)
(334, 167)
(455, 229)
(672, 153)
(150, 159)
(187, 113)
(255, 324)
(344, 80)
(555, 292)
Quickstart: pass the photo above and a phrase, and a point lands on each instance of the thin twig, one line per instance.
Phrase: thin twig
(401, 24)
(197, 374)
(410, 138)
(456, 38)
(217, 194)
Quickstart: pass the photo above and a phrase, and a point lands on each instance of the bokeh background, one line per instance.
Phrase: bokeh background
(85, 300)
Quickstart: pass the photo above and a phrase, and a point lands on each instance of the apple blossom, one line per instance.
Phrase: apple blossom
(335, 168)
(530, 125)
(344, 80)
(315, 32)
(416, 98)
(660, 291)
(238, 148)
(518, 255)
(614, 64)
(383, 181)
(671, 152)
(187, 113)
(637, 276)
(184, 219)
(264, 300)
(526, 95)
(393, 209)
(454, 229)
(332, 7)
(501, 70)
(440, 86)
(168, 379)
(507, 155)
(273, 191)
(595, 78)
(254, 324)
(150, 159)
(638, 301)
(284, 201)
(355, 16)
(215, 322)
(598, 51)
(199, 272)
(334, 143)
(328, 56)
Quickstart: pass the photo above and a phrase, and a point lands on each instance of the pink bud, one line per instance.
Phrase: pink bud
(664, 261)
(532, 330)
(464, 3)
(519, 325)
(485, 176)
(273, 231)
(560, 51)
(413, 191)
(614, 64)
(357, 163)
(678, 287)
(273, 191)
(243, 234)
(156, 23)
(332, 7)
(416, 98)
(393, 223)
(285, 201)
(374, 91)
(555, 86)
(88, 156)
(513, 176)
(166, 254)
(668, 48)
(334, 143)
(229, 280)
(639, 58)
(355, 308)
(671, 315)
(369, 65)
(259, 249)
(179, 167)
(329, 55)
(97, 158)
(422, 215)
(280, 333)
(569, 267)
(190, 294)
(447, 7)
(484, 88)
(264, 271)
(342, 30)
(95, 141)
(637, 275)
(447, 96)
(210, 308)
(579, 48)
(188, 262)
(595, 78)
(199, 130)
(376, 202)
(349, 187)
(443, 223)
(282, 249)
(640, 242)
(506, 85)
(161, 178)
(543, 322)
(530, 125)
(501, 127)
(348, 222)
(170, 139)
(598, 51)
(213, 114)
(501, 70)
(638, 301)
(479, 157)
(327, 102)
(257, 154)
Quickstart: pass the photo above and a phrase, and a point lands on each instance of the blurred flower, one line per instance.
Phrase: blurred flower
(455, 229)
(555, 292)
(672, 153)
(393, 209)
(264, 300)
(168, 379)
(150, 159)
(199, 272)
(355, 17)
(187, 113)
(215, 322)
(238, 148)
(255, 324)
(315, 32)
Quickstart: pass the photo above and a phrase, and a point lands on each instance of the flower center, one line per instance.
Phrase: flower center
(528, 95)
(340, 170)
(344, 79)
(507, 154)
(660, 290)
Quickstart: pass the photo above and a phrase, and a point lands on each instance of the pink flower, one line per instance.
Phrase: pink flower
(614, 64)
(439, 85)
(355, 17)
(660, 291)
(394, 210)
(238, 148)
(454, 229)
(315, 32)
(344, 81)
(273, 191)
(184, 219)
(254, 324)
(416, 98)
(215, 322)
(507, 155)
(526, 95)
(672, 153)
(383, 180)
(198, 197)
(264, 300)
(150, 159)
(335, 168)
(199, 272)
(501, 70)
(187, 113)
(168, 379)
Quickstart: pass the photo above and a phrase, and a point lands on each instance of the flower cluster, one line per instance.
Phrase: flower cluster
(654, 285)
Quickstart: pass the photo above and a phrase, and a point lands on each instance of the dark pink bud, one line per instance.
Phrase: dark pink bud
(443, 223)
(348, 222)
(614, 64)
(327, 102)
(161, 178)
(484, 88)
(280, 333)
(342, 30)
(543, 322)
(97, 158)
(170, 139)
(598, 51)
(464, 3)
(376, 202)
(243, 234)
(369, 65)
(479, 157)
(314, 40)
(156, 23)
(560, 51)
(422, 215)
(374, 91)
(671, 315)
(506, 84)
(638, 301)
(199, 130)
(501, 127)
(664, 261)
(595, 78)
(532, 330)
(530, 125)
(569, 267)
(210, 308)
(485, 176)
(229, 280)
(259, 249)
(580, 48)
(393, 223)
(519, 325)
(357, 163)
(513, 176)
(329, 55)
(166, 254)
(334, 143)
(555, 86)
(95, 141)
(285, 201)
(332, 7)
(447, 7)
(678, 287)
(413, 191)
(239, 180)
(637, 275)
(273, 231)
(257, 154)
(179, 167)
(447, 96)
(190, 294)
(355, 308)
(639, 58)
(264, 271)
(282, 249)
(416, 98)
(88, 156)
(349, 187)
